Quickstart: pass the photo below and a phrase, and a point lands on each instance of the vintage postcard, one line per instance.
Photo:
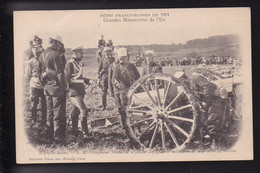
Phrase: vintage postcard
(139, 85)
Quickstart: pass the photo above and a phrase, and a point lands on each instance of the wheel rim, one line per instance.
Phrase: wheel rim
(161, 112)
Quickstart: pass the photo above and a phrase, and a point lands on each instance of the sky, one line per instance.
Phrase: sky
(84, 27)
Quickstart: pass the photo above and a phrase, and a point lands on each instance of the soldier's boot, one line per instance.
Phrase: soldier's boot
(74, 121)
(84, 125)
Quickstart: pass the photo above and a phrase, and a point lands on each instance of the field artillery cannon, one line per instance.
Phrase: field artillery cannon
(164, 112)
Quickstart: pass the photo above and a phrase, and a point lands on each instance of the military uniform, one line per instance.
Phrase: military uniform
(61, 51)
(123, 76)
(213, 106)
(33, 73)
(151, 68)
(54, 87)
(76, 81)
(103, 69)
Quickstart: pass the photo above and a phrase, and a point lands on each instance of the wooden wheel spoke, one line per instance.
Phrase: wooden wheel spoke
(180, 108)
(180, 118)
(141, 121)
(146, 130)
(166, 93)
(158, 93)
(139, 111)
(142, 102)
(153, 137)
(163, 137)
(148, 93)
(174, 100)
(172, 135)
(180, 129)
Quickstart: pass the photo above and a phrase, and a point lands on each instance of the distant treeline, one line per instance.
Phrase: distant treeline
(220, 41)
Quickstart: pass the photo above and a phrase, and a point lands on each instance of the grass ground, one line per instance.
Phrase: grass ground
(106, 139)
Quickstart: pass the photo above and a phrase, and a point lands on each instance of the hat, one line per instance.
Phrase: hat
(149, 52)
(120, 52)
(80, 48)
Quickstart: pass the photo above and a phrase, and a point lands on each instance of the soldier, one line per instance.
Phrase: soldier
(103, 67)
(211, 120)
(33, 73)
(54, 87)
(150, 65)
(101, 42)
(61, 51)
(124, 75)
(110, 44)
(36, 42)
(76, 84)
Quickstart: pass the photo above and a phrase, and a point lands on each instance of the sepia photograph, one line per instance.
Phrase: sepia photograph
(140, 85)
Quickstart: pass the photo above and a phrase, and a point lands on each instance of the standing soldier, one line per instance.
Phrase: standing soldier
(150, 65)
(103, 67)
(77, 83)
(61, 52)
(54, 87)
(33, 73)
(124, 75)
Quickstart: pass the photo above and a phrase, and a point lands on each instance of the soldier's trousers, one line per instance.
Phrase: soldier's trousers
(56, 117)
(214, 120)
(121, 103)
(79, 111)
(104, 87)
(37, 96)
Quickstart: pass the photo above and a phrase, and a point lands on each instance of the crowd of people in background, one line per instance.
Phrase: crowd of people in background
(53, 79)
(185, 61)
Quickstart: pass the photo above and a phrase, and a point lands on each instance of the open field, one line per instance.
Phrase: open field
(106, 139)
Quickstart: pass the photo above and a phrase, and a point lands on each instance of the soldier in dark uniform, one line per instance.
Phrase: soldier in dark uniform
(103, 69)
(213, 106)
(124, 75)
(33, 74)
(54, 87)
(150, 65)
(61, 51)
(76, 81)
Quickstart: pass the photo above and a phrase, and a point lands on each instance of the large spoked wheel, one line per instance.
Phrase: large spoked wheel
(161, 112)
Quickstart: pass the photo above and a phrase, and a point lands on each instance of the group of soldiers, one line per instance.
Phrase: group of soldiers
(52, 79)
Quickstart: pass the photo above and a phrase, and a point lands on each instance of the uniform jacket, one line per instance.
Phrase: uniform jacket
(50, 61)
(151, 68)
(202, 87)
(73, 70)
(33, 73)
(103, 66)
(61, 51)
(124, 76)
